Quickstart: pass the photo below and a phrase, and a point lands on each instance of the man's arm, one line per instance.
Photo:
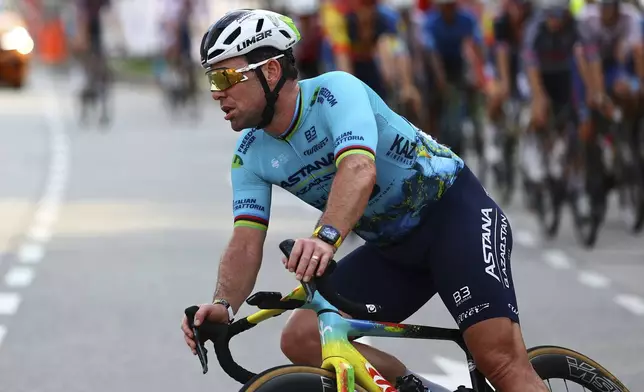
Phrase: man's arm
(239, 266)
(354, 130)
(531, 61)
(242, 258)
(501, 54)
(350, 193)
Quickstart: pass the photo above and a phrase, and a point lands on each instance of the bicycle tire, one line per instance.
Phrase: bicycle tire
(294, 378)
(562, 363)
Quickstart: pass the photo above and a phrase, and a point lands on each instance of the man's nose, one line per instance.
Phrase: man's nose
(217, 95)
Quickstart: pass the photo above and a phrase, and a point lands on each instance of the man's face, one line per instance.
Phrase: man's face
(555, 18)
(244, 102)
(608, 13)
(448, 10)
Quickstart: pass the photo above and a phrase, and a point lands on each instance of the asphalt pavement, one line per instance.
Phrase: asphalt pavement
(107, 235)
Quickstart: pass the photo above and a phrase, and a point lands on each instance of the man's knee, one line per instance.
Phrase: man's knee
(301, 340)
(499, 352)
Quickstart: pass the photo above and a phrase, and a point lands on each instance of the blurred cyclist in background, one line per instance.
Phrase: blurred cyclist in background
(87, 44)
(364, 37)
(448, 33)
(308, 55)
(177, 17)
(509, 29)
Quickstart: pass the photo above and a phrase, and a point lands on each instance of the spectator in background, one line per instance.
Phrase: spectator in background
(308, 54)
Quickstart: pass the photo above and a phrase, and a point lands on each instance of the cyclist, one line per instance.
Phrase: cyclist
(611, 32)
(447, 32)
(429, 225)
(176, 20)
(509, 27)
(88, 44)
(551, 39)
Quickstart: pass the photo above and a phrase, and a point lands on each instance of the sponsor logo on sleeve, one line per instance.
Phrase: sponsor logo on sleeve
(347, 137)
(237, 162)
(247, 204)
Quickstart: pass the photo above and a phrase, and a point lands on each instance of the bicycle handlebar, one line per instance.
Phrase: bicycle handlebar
(221, 334)
(324, 285)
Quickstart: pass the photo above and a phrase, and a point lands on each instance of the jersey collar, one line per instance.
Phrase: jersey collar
(297, 118)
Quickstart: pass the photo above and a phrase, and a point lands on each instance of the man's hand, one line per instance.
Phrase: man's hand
(213, 313)
(308, 256)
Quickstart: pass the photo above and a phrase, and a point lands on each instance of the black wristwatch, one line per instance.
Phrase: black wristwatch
(329, 234)
(221, 301)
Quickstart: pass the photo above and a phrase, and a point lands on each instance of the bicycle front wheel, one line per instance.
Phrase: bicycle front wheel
(293, 378)
(561, 366)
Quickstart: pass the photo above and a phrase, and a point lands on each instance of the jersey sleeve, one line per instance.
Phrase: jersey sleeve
(349, 116)
(634, 28)
(587, 39)
(427, 32)
(251, 196)
(474, 29)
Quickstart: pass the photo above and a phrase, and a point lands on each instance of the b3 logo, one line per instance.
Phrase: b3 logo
(311, 134)
(462, 295)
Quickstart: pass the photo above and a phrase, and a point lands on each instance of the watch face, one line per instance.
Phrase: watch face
(330, 233)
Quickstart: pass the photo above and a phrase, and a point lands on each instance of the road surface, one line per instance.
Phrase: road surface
(105, 237)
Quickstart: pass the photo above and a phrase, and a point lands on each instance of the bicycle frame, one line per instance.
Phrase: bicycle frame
(339, 355)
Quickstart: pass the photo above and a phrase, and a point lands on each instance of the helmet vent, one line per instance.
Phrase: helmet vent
(260, 24)
(215, 53)
(286, 34)
(232, 36)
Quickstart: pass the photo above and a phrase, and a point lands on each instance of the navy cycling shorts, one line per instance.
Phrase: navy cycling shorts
(461, 251)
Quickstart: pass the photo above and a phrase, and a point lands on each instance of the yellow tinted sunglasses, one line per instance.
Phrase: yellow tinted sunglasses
(222, 79)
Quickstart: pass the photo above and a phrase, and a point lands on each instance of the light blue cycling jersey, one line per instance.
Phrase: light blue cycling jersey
(338, 115)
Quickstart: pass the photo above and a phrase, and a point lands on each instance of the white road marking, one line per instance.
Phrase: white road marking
(556, 259)
(9, 303)
(3, 332)
(632, 303)
(526, 239)
(456, 374)
(31, 253)
(593, 279)
(19, 277)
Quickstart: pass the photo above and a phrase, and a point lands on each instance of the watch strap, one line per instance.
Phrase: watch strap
(221, 301)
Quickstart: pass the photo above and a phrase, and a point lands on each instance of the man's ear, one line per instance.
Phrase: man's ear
(272, 72)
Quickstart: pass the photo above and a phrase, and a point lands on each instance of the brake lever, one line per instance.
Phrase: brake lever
(202, 352)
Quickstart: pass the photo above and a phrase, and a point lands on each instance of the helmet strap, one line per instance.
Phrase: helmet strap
(271, 98)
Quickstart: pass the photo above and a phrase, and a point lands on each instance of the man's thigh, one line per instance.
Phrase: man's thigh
(369, 275)
(471, 260)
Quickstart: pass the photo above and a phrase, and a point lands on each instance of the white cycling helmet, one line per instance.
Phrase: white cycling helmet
(239, 32)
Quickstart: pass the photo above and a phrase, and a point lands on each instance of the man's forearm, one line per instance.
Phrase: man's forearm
(238, 271)
(638, 56)
(437, 65)
(502, 60)
(596, 77)
(535, 83)
(350, 193)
